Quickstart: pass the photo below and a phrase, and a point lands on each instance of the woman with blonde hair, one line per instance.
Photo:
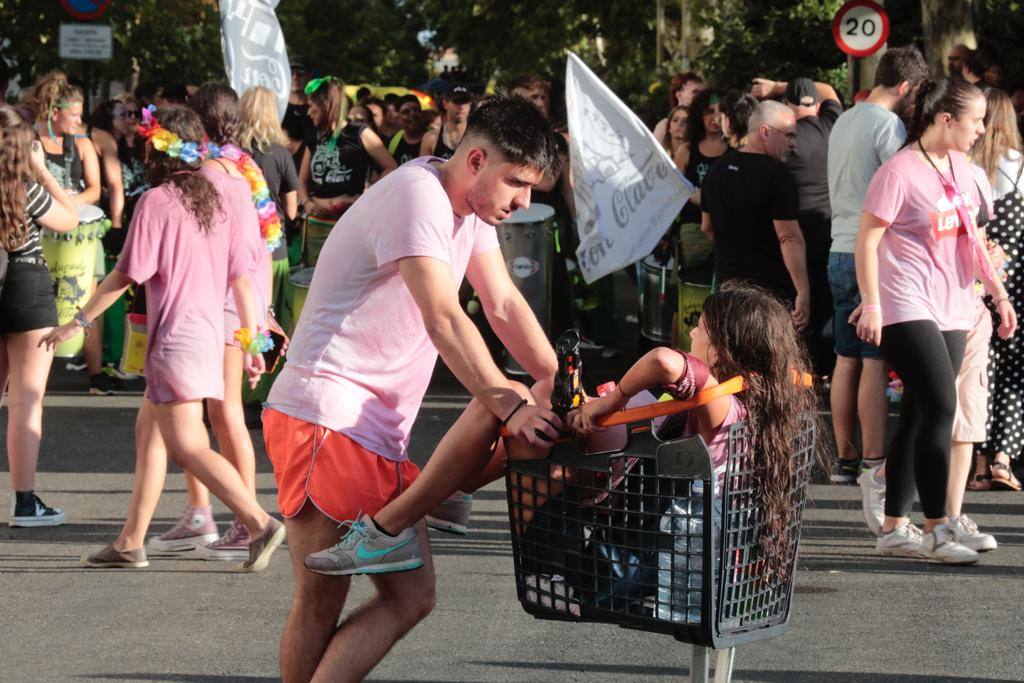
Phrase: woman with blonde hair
(998, 152)
(30, 198)
(260, 134)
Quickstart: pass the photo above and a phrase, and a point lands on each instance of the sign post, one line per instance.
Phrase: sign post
(87, 42)
(860, 28)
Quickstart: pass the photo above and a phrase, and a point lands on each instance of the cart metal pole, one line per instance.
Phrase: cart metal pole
(699, 662)
(724, 660)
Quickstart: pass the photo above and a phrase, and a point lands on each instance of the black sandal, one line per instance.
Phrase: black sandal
(1002, 477)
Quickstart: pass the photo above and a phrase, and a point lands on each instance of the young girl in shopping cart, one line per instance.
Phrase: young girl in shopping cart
(743, 331)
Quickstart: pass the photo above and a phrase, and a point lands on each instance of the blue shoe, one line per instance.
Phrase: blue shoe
(365, 550)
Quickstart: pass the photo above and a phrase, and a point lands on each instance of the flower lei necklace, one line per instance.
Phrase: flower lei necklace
(266, 209)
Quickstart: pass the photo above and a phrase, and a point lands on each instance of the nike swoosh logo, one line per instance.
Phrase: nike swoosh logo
(364, 554)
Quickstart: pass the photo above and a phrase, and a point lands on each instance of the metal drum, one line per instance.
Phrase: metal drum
(691, 301)
(71, 258)
(527, 243)
(300, 280)
(314, 234)
(658, 300)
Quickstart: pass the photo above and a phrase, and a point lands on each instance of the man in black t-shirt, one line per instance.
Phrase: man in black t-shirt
(750, 207)
(816, 107)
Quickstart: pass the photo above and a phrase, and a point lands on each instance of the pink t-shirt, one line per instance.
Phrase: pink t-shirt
(236, 200)
(186, 272)
(360, 360)
(926, 266)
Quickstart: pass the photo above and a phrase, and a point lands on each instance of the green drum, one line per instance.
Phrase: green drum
(691, 301)
(314, 234)
(300, 288)
(71, 258)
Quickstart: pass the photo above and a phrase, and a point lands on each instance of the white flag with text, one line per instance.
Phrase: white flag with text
(254, 49)
(627, 189)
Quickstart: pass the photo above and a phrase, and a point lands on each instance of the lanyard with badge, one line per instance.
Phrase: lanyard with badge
(955, 197)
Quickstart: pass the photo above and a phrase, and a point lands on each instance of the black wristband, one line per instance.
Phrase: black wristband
(515, 410)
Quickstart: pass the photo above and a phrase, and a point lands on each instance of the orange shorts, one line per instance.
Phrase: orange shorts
(340, 477)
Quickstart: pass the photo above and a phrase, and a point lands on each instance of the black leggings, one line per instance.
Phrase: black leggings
(928, 361)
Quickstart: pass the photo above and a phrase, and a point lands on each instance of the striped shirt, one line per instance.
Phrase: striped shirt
(38, 203)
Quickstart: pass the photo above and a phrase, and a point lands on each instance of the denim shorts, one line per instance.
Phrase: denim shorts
(842, 279)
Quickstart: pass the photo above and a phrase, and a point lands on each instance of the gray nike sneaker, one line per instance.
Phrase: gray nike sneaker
(364, 550)
(452, 515)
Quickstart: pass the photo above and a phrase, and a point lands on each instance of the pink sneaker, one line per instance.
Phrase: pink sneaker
(233, 545)
(196, 526)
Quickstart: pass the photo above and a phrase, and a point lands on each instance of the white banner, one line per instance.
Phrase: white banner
(627, 189)
(254, 50)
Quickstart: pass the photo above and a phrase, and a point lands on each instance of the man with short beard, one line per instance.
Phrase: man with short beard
(862, 139)
(383, 304)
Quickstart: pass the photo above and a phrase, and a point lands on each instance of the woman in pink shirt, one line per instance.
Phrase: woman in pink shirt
(917, 256)
(187, 252)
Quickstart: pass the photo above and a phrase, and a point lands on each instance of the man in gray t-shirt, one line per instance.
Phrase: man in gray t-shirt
(862, 139)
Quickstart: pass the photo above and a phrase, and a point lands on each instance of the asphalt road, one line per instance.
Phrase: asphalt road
(857, 618)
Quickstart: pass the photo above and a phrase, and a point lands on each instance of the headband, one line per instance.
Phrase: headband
(167, 142)
(315, 84)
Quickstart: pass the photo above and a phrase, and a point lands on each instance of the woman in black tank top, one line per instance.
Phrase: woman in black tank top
(335, 170)
(703, 146)
(70, 157)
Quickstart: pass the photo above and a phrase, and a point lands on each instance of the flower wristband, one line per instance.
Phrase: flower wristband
(254, 343)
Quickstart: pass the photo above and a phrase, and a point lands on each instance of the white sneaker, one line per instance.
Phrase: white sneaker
(452, 515)
(872, 496)
(903, 541)
(965, 532)
(941, 545)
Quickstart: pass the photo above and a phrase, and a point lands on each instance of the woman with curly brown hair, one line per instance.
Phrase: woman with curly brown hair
(30, 198)
(184, 245)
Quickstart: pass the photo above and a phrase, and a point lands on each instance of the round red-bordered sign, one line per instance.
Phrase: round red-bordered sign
(860, 28)
(85, 10)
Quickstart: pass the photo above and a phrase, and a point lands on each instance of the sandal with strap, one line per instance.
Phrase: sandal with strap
(980, 482)
(1003, 478)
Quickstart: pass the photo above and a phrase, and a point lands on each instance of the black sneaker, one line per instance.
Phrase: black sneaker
(102, 384)
(35, 513)
(845, 471)
(76, 364)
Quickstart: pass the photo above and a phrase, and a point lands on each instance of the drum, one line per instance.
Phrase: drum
(691, 301)
(658, 299)
(314, 234)
(527, 244)
(300, 280)
(71, 258)
(694, 247)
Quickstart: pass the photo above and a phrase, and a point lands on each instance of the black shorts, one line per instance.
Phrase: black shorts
(27, 302)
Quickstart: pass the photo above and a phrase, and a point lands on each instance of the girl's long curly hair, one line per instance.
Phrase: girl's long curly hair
(197, 194)
(218, 109)
(752, 335)
(52, 91)
(16, 138)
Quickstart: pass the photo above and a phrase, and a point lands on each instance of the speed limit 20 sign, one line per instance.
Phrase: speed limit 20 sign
(860, 28)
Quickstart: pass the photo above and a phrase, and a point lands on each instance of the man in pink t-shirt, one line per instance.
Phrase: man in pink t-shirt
(382, 305)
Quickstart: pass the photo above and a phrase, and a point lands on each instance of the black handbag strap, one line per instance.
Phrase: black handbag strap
(1015, 182)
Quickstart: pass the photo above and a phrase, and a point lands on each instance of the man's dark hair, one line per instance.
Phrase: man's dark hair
(978, 62)
(407, 98)
(147, 90)
(518, 130)
(392, 98)
(901, 64)
(175, 93)
(738, 107)
(363, 93)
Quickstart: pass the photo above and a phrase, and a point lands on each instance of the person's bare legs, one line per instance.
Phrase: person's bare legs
(463, 453)
(843, 402)
(314, 647)
(227, 418)
(198, 496)
(961, 460)
(148, 481)
(181, 425)
(403, 599)
(873, 408)
(27, 369)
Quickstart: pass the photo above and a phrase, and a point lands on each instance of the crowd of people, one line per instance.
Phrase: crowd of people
(848, 242)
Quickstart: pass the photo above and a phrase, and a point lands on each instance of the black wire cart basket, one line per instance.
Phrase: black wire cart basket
(638, 530)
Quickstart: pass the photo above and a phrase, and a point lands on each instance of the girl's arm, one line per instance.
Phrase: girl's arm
(109, 291)
(304, 193)
(1000, 298)
(245, 304)
(374, 146)
(869, 321)
(658, 368)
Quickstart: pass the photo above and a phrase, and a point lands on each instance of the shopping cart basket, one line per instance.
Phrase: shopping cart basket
(631, 534)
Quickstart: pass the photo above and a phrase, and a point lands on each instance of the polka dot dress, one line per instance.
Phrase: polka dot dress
(1005, 427)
